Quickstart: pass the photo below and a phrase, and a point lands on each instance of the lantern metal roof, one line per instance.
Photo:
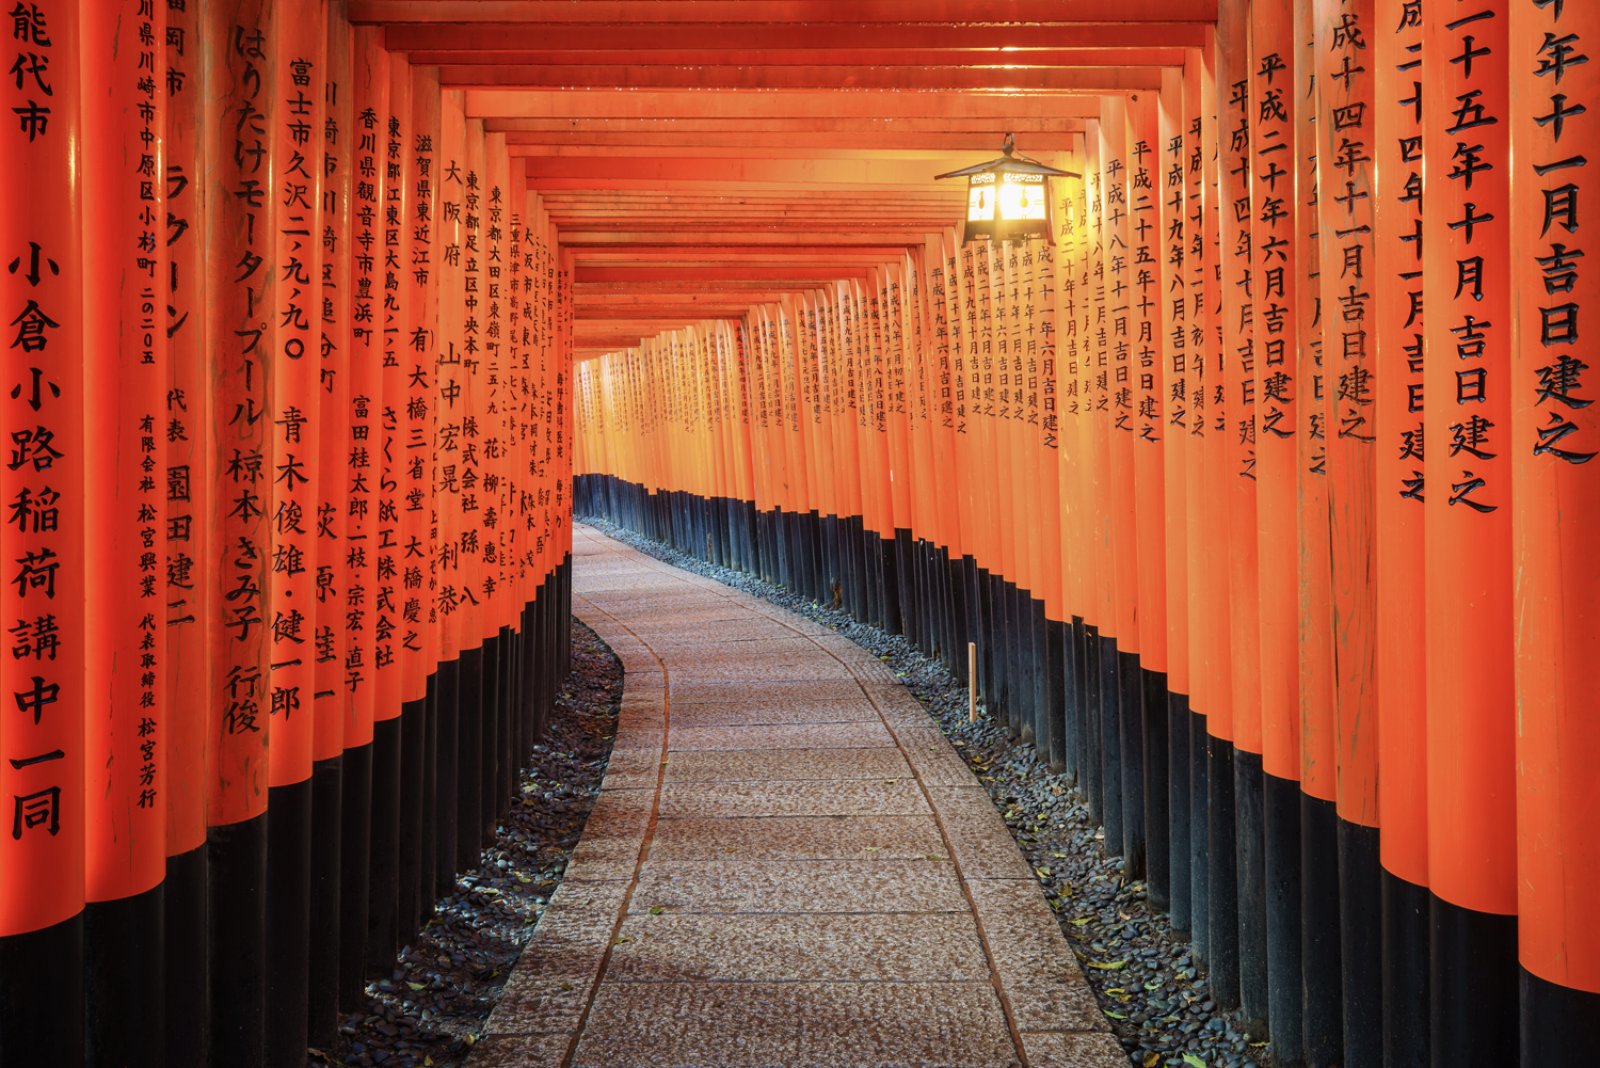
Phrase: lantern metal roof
(1009, 163)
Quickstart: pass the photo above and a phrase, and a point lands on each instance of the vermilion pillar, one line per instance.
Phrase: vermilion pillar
(1400, 488)
(1467, 287)
(1345, 146)
(125, 353)
(331, 583)
(1274, 386)
(367, 135)
(1148, 355)
(1175, 145)
(457, 694)
(1200, 383)
(414, 461)
(42, 732)
(241, 267)
(1554, 442)
(190, 519)
(440, 809)
(388, 596)
(293, 309)
(1114, 462)
(1233, 482)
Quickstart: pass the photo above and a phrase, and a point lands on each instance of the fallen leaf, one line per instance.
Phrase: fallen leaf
(1108, 965)
(1193, 1061)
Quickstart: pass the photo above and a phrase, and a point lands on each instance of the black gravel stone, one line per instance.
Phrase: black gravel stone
(1155, 999)
(431, 1009)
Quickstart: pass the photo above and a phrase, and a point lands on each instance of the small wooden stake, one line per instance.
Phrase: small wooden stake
(972, 682)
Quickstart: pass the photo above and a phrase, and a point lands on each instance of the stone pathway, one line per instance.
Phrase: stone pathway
(787, 866)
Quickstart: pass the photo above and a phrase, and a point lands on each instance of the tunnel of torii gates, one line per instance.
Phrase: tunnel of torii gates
(1265, 488)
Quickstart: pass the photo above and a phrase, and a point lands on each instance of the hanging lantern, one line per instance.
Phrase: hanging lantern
(1008, 199)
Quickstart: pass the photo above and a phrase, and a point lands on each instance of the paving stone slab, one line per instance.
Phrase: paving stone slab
(689, 677)
(756, 711)
(822, 947)
(796, 1025)
(1061, 1050)
(698, 645)
(803, 838)
(781, 736)
(771, 689)
(1037, 969)
(743, 885)
(983, 845)
(705, 800)
(612, 836)
(632, 769)
(832, 765)
(520, 1051)
(648, 737)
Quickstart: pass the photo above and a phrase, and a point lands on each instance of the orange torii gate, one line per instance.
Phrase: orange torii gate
(322, 315)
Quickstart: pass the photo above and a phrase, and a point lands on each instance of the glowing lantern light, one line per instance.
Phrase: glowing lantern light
(1008, 199)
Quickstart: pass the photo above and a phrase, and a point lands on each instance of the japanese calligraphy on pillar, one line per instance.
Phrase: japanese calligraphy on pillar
(1553, 126)
(240, 270)
(186, 417)
(387, 598)
(1396, 334)
(1467, 284)
(126, 358)
(417, 456)
(366, 445)
(1345, 153)
(1555, 440)
(333, 392)
(42, 479)
(294, 383)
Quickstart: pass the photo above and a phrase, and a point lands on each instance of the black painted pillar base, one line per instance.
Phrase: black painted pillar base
(408, 900)
(469, 758)
(354, 870)
(1094, 768)
(1179, 899)
(237, 892)
(1250, 837)
(1157, 770)
(123, 980)
(322, 935)
(1319, 932)
(1199, 836)
(1473, 978)
(1222, 942)
(1285, 994)
(1407, 927)
(41, 996)
(1111, 743)
(447, 770)
(383, 882)
(288, 955)
(1560, 1025)
(1361, 945)
(1054, 713)
(185, 928)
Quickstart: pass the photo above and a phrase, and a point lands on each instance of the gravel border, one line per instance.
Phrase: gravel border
(431, 1009)
(1146, 980)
